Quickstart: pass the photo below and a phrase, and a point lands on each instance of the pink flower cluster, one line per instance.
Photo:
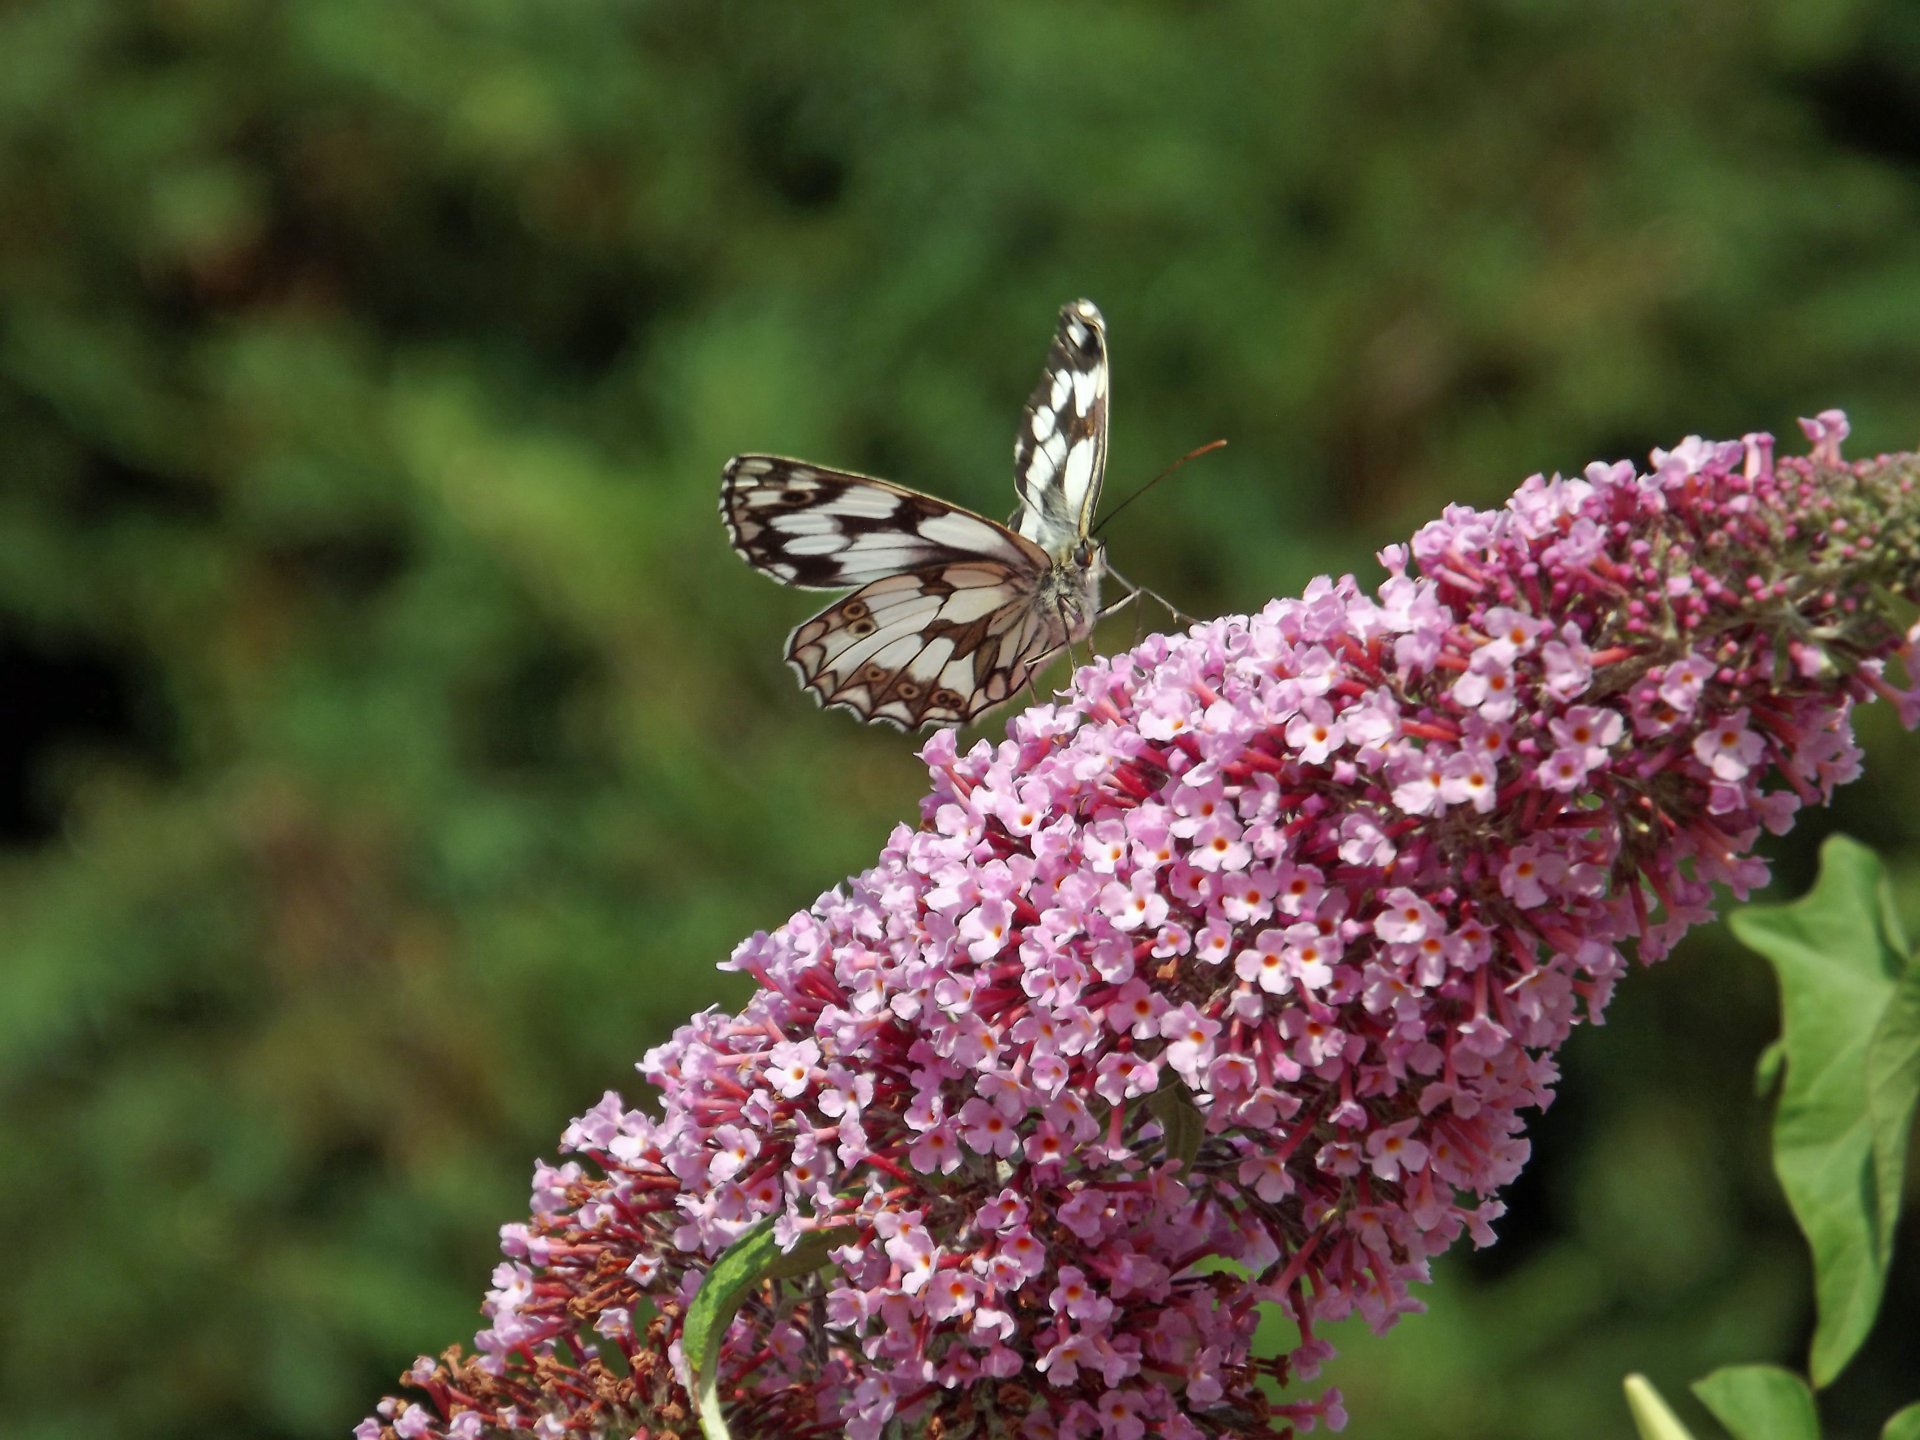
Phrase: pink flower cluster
(1255, 951)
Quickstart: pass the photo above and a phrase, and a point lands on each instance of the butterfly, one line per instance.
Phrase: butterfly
(954, 612)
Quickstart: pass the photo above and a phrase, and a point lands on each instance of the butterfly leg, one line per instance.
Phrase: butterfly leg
(1033, 690)
(1066, 629)
(1134, 592)
(1117, 606)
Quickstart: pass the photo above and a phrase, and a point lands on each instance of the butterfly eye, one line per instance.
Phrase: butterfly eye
(795, 496)
(945, 699)
(854, 610)
(906, 690)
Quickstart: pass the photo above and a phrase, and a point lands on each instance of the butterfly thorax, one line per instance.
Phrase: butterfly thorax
(1070, 588)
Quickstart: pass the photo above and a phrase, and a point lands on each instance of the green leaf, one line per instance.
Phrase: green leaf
(1652, 1417)
(1768, 1069)
(1903, 1426)
(1893, 1085)
(1181, 1122)
(1760, 1402)
(749, 1262)
(1851, 1038)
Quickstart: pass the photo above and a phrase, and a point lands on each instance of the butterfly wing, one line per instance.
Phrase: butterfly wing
(946, 623)
(933, 647)
(954, 611)
(821, 529)
(1060, 452)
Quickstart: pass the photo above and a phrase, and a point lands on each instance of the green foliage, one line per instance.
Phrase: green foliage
(750, 1262)
(1760, 1402)
(734, 1276)
(1752, 1402)
(1653, 1418)
(1850, 1052)
(1850, 1038)
(395, 746)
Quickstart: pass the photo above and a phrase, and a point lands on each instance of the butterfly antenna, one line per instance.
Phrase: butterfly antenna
(1190, 455)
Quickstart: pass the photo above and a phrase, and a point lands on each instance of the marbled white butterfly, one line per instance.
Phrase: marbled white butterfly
(955, 611)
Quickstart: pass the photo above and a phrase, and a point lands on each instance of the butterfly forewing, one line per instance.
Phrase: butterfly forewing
(1060, 453)
(822, 529)
(955, 611)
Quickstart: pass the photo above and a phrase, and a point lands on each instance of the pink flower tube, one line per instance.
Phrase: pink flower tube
(1223, 984)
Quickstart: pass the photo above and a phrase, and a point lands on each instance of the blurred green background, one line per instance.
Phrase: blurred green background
(392, 745)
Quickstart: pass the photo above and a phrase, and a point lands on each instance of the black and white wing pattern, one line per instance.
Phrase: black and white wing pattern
(954, 612)
(1060, 454)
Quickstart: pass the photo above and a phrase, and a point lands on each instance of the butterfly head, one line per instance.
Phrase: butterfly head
(1071, 588)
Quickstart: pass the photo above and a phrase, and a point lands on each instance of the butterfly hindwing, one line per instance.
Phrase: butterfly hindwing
(935, 647)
